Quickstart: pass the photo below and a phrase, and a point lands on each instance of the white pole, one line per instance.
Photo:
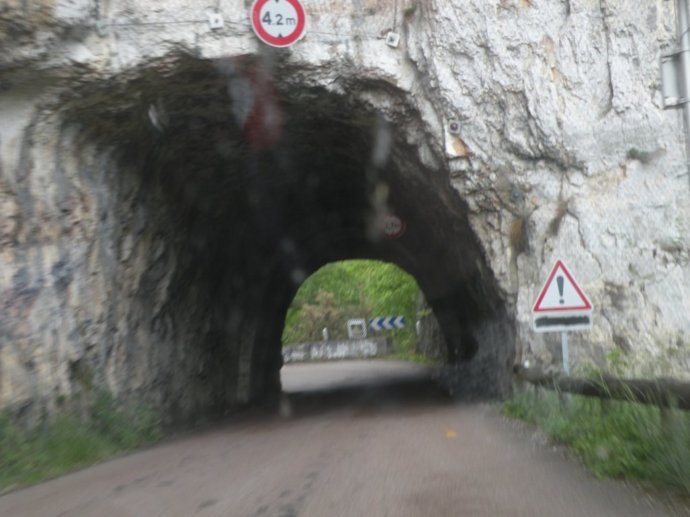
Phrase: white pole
(683, 13)
(564, 351)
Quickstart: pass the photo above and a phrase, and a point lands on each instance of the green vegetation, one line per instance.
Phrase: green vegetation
(353, 289)
(614, 439)
(70, 441)
(644, 156)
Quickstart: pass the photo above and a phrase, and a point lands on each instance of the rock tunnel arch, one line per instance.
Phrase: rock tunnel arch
(202, 236)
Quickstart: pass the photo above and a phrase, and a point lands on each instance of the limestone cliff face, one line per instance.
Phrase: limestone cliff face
(561, 150)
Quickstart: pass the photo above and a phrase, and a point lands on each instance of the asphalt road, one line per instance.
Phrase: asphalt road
(354, 439)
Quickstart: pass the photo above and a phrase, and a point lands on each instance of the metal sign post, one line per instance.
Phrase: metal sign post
(675, 72)
(684, 36)
(564, 352)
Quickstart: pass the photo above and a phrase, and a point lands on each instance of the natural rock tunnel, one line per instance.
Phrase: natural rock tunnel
(184, 236)
(152, 227)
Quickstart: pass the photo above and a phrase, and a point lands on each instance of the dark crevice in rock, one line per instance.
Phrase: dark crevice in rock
(608, 106)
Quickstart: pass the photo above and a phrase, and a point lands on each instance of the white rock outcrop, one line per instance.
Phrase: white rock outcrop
(561, 150)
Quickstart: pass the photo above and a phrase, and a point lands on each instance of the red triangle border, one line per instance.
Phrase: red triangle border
(542, 294)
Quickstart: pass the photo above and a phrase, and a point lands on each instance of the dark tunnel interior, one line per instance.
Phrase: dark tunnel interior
(232, 187)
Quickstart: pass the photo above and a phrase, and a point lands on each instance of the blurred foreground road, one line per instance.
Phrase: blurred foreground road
(363, 439)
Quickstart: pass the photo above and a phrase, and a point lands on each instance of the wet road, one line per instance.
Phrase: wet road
(391, 446)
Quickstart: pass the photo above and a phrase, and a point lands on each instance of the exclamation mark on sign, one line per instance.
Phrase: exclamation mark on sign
(559, 281)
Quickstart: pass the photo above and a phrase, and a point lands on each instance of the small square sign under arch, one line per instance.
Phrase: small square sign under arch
(561, 304)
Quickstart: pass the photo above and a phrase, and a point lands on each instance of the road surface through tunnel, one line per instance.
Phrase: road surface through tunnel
(218, 187)
(373, 386)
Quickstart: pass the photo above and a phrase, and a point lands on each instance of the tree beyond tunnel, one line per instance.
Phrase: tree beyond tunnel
(213, 209)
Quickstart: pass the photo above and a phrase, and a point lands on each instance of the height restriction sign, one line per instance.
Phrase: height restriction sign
(279, 23)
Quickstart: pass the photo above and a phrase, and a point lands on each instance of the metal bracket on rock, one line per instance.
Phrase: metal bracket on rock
(215, 21)
(393, 39)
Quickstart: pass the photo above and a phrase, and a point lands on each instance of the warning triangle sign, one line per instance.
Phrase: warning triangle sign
(561, 293)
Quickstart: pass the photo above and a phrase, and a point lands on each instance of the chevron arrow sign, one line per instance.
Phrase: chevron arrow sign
(387, 323)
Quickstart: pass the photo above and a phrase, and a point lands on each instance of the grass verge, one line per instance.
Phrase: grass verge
(614, 439)
(69, 441)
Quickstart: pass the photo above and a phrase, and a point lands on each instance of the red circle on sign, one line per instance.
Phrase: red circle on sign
(279, 41)
(393, 226)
